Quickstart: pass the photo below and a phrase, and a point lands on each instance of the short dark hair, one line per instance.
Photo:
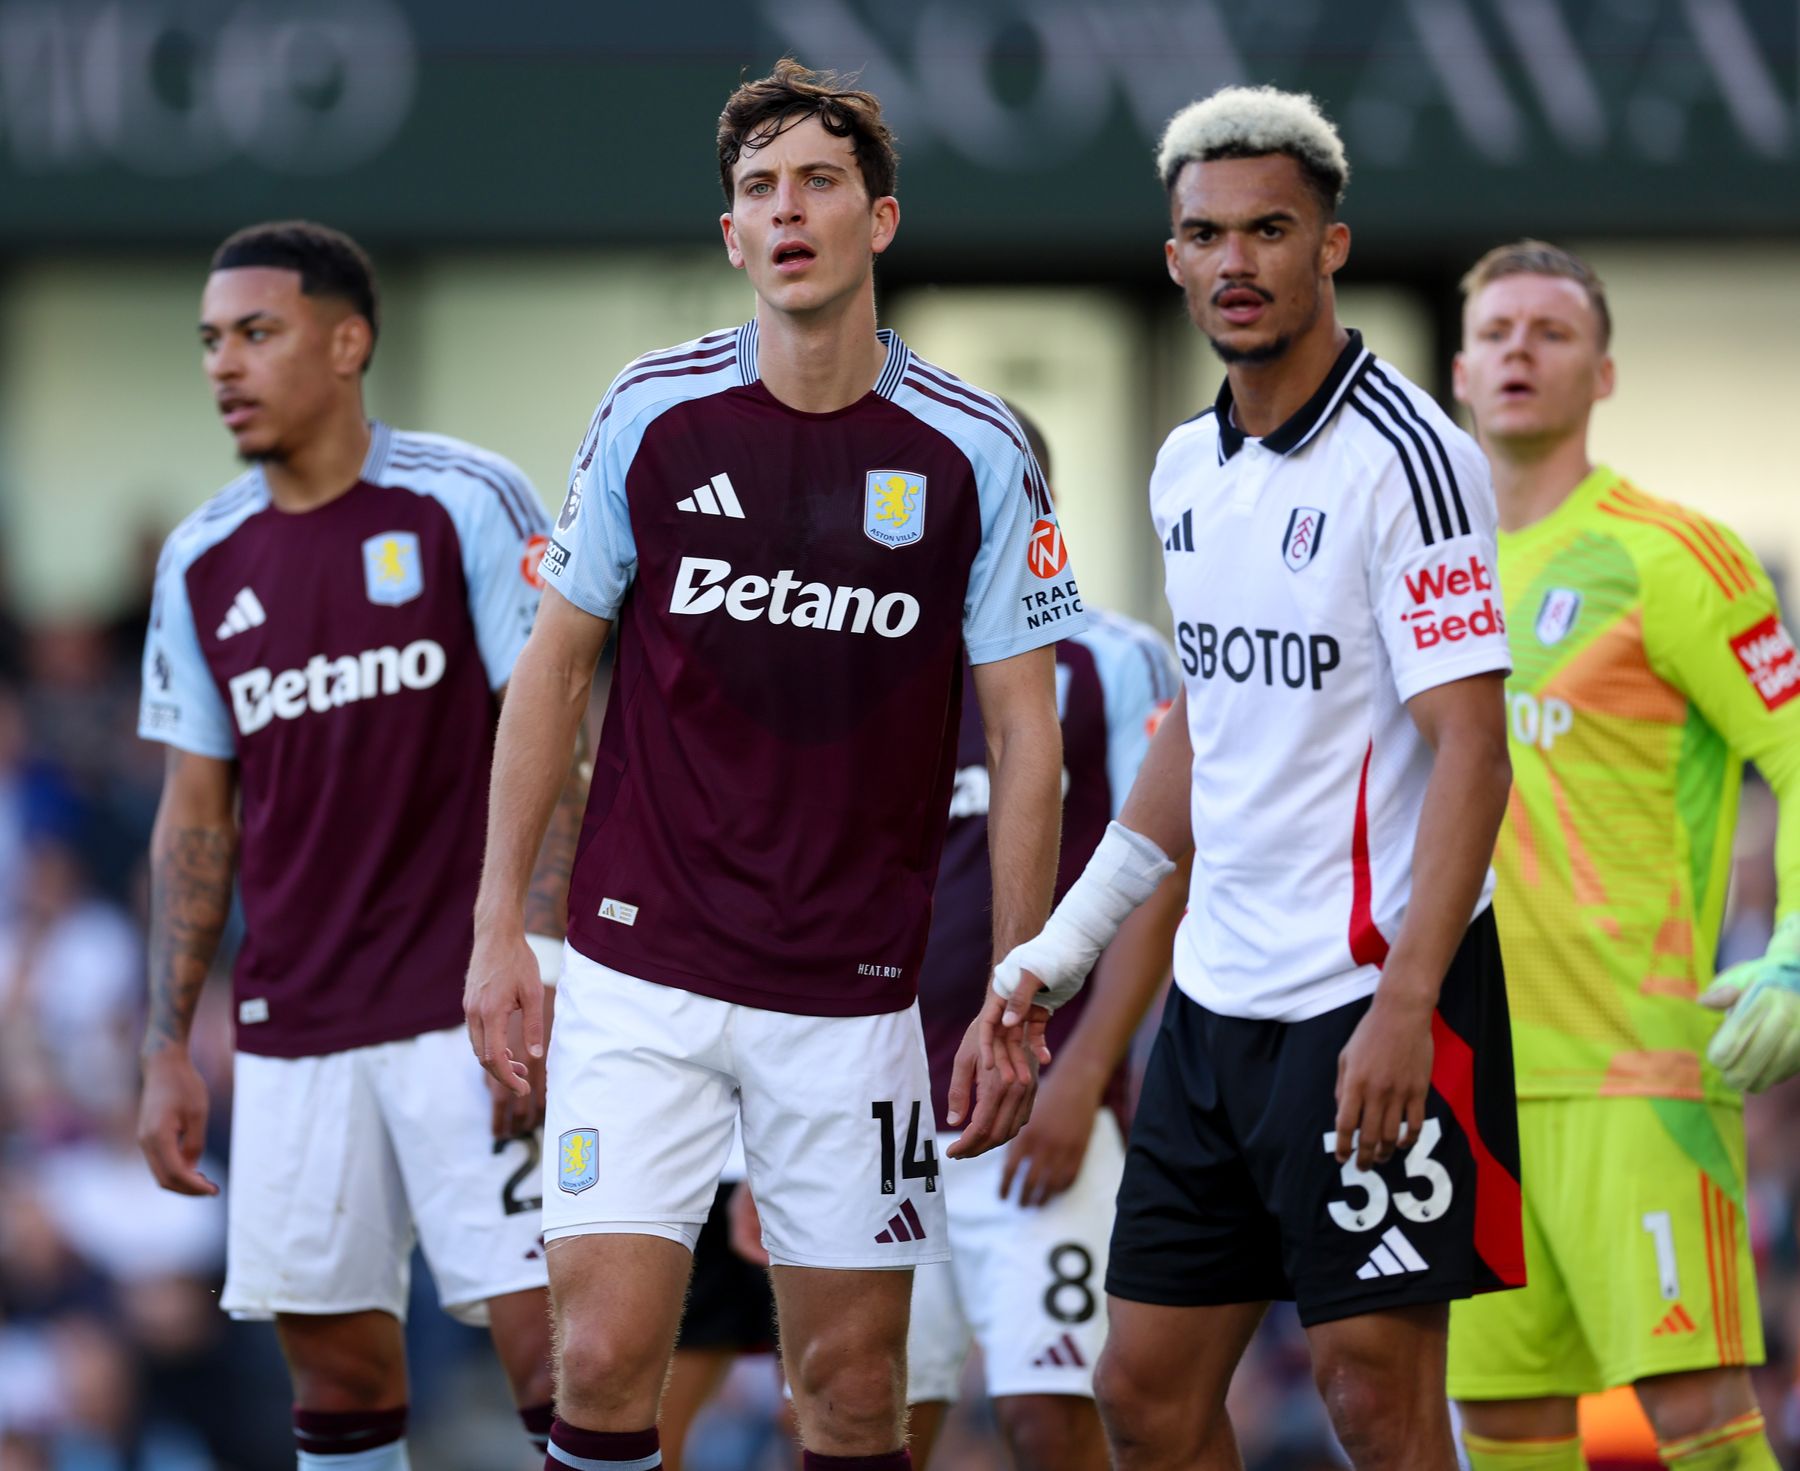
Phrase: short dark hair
(1540, 258)
(328, 262)
(759, 112)
(1034, 436)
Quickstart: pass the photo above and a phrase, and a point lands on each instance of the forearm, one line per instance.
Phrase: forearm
(1158, 804)
(1024, 827)
(1130, 972)
(547, 895)
(545, 701)
(192, 862)
(1465, 800)
(1782, 772)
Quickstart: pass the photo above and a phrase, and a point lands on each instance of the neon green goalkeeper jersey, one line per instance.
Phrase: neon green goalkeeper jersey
(1649, 662)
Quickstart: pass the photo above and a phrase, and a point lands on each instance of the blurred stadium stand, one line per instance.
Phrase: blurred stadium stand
(538, 186)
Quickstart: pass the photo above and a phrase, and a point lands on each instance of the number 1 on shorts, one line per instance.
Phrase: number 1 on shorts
(1662, 1231)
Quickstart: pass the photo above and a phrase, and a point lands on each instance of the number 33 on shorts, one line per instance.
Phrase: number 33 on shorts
(1418, 1164)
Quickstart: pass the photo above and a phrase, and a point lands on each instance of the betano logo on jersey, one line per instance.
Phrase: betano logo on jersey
(1431, 624)
(1770, 661)
(700, 587)
(893, 507)
(259, 696)
(393, 572)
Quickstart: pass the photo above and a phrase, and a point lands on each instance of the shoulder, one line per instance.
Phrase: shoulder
(667, 376)
(1404, 441)
(1190, 445)
(465, 478)
(211, 523)
(978, 422)
(1670, 540)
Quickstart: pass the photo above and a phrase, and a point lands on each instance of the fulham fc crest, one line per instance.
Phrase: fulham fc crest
(1305, 529)
(1562, 606)
(893, 507)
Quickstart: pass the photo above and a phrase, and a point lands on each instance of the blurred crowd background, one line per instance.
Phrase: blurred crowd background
(539, 189)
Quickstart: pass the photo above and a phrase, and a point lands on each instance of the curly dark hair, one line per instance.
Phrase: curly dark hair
(328, 262)
(759, 112)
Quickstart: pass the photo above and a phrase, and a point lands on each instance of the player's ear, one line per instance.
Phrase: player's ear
(352, 340)
(884, 222)
(1605, 378)
(1459, 378)
(1334, 248)
(732, 251)
(1169, 261)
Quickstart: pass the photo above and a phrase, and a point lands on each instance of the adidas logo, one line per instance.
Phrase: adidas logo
(715, 498)
(1181, 537)
(245, 613)
(1065, 1353)
(1676, 1320)
(905, 1226)
(1393, 1257)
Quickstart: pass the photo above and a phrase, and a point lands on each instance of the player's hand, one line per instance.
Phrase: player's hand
(1002, 1098)
(1384, 1074)
(503, 980)
(172, 1122)
(746, 1226)
(1047, 1154)
(1758, 1043)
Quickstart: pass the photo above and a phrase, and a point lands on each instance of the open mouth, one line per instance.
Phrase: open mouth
(791, 255)
(1241, 305)
(1516, 388)
(236, 410)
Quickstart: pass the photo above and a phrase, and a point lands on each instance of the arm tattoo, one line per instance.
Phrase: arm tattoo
(190, 900)
(547, 899)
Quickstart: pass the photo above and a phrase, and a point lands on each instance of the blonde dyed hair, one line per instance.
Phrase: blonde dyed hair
(1251, 122)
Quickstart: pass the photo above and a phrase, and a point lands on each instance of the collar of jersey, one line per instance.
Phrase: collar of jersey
(886, 385)
(1305, 421)
(1595, 484)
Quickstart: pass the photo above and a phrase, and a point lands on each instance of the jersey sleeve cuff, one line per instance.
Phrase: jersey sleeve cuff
(183, 741)
(993, 650)
(1417, 681)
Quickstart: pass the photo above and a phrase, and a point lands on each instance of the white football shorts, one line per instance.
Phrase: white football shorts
(1027, 1284)
(338, 1161)
(647, 1082)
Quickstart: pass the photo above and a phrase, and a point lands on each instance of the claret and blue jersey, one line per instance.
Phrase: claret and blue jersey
(793, 593)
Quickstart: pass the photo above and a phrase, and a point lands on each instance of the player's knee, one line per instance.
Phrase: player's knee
(1058, 1432)
(599, 1369)
(1681, 1405)
(343, 1372)
(860, 1384)
(1373, 1410)
(1135, 1405)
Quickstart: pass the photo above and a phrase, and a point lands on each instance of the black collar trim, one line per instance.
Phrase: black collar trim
(1307, 420)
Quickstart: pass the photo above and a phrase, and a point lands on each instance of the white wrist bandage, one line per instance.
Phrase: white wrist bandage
(1122, 874)
(549, 952)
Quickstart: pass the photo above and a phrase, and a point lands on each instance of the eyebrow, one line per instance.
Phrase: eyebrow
(806, 168)
(1273, 217)
(246, 320)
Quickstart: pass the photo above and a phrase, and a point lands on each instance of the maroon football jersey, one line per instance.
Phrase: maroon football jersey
(792, 593)
(346, 659)
(1112, 683)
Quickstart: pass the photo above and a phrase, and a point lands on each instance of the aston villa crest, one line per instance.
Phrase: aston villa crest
(393, 572)
(578, 1164)
(894, 507)
(1561, 607)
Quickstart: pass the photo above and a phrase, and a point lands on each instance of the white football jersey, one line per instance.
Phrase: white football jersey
(1319, 578)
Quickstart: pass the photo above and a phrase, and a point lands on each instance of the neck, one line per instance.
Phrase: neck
(327, 463)
(1531, 479)
(820, 361)
(1264, 396)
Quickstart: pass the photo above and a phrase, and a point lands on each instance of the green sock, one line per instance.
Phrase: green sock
(1737, 1445)
(1558, 1453)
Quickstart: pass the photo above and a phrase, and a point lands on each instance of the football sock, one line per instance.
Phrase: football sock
(1557, 1453)
(1737, 1445)
(602, 1450)
(357, 1440)
(536, 1419)
(900, 1460)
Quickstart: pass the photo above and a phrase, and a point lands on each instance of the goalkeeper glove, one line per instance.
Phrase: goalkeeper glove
(1122, 874)
(1758, 1044)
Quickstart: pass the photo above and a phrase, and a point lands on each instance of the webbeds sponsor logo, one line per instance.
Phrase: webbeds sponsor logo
(701, 587)
(260, 696)
(1428, 589)
(1770, 661)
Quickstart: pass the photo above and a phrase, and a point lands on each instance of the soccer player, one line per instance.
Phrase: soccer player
(1649, 662)
(329, 638)
(1029, 1229)
(797, 526)
(1327, 1114)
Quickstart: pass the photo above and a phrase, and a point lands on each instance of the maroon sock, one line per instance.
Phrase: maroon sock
(898, 1460)
(536, 1419)
(332, 1433)
(597, 1450)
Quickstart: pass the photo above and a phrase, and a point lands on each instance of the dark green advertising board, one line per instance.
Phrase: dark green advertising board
(1026, 125)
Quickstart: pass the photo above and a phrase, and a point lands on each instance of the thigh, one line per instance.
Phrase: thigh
(640, 1107)
(1439, 1221)
(317, 1220)
(839, 1138)
(477, 1200)
(1148, 1341)
(1190, 1229)
(1650, 1226)
(618, 1296)
(1034, 1275)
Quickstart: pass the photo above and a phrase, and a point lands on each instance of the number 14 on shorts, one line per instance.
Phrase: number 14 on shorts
(915, 1166)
